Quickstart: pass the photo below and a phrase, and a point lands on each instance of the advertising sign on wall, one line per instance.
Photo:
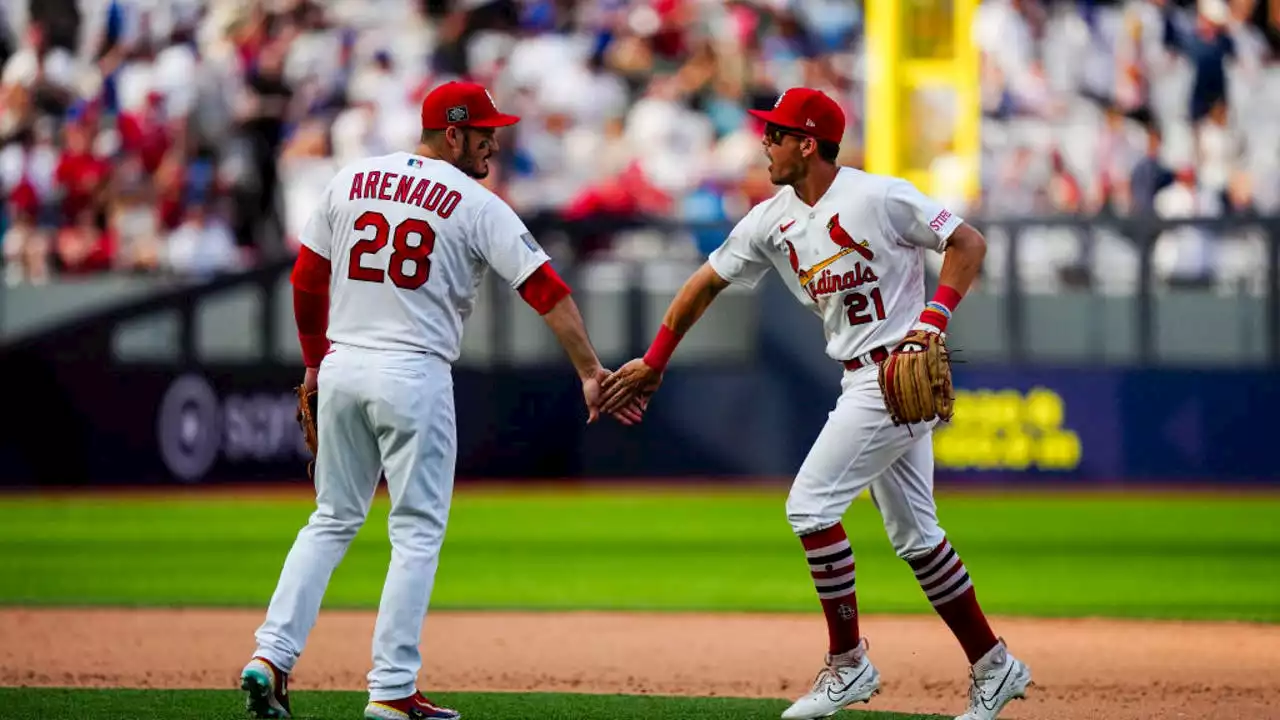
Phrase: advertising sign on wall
(88, 424)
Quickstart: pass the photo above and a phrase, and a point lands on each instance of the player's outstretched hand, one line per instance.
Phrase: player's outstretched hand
(591, 394)
(631, 414)
(632, 382)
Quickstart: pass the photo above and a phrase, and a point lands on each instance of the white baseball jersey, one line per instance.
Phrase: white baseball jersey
(855, 258)
(408, 240)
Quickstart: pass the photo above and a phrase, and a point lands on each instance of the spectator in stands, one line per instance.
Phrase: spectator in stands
(264, 114)
(1133, 82)
(82, 246)
(147, 131)
(1115, 153)
(202, 245)
(1219, 151)
(47, 72)
(632, 107)
(27, 177)
(133, 217)
(1065, 192)
(1184, 255)
(1238, 198)
(25, 243)
(81, 177)
(1148, 177)
(1208, 47)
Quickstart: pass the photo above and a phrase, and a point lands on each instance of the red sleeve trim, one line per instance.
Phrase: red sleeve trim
(310, 272)
(544, 289)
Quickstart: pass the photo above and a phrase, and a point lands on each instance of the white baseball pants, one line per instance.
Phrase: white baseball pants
(378, 411)
(860, 448)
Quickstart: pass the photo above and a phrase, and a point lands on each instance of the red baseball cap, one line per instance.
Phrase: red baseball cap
(807, 111)
(462, 104)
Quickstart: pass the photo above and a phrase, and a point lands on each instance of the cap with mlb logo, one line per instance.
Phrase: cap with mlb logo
(462, 104)
(808, 111)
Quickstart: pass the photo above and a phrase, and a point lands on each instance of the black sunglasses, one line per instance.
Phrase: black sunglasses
(775, 133)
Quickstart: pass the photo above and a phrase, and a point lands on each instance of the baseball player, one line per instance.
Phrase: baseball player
(850, 246)
(386, 276)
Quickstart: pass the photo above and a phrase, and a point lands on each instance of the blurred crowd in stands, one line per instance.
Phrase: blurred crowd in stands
(190, 136)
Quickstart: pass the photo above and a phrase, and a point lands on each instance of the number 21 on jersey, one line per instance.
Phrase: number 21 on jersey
(412, 241)
(857, 303)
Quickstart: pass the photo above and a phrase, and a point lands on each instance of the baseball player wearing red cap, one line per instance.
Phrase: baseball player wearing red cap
(849, 245)
(387, 274)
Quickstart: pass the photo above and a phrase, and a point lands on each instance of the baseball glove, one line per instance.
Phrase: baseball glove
(308, 405)
(916, 379)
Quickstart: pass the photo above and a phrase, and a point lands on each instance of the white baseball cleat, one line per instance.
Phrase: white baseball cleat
(998, 677)
(847, 678)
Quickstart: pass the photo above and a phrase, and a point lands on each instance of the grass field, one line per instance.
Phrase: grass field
(220, 705)
(1192, 557)
(1195, 557)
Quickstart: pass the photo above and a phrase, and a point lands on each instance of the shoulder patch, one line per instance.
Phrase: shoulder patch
(530, 242)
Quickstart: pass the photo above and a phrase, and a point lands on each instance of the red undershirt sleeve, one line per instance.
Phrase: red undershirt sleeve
(310, 279)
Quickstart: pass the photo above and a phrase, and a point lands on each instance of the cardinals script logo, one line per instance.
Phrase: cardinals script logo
(828, 283)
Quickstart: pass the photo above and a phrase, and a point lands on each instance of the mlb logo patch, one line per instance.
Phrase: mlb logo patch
(530, 242)
(415, 163)
(457, 113)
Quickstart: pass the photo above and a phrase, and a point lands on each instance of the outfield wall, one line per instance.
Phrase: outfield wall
(84, 424)
(1132, 380)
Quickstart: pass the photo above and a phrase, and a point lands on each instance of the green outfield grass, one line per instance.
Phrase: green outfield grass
(1052, 554)
(58, 704)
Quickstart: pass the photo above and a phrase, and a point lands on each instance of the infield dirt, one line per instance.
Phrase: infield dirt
(1084, 669)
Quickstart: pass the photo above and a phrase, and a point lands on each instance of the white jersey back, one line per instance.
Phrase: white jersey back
(855, 258)
(408, 240)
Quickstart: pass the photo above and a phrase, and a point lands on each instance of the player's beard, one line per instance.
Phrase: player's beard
(472, 163)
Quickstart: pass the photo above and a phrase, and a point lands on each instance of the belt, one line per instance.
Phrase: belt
(874, 357)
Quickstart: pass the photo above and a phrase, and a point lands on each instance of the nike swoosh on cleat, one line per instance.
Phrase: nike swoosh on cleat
(834, 696)
(990, 703)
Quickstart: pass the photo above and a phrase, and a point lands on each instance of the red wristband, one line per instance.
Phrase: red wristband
(660, 351)
(937, 312)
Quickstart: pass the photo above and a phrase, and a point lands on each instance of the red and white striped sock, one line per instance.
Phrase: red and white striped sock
(946, 583)
(831, 565)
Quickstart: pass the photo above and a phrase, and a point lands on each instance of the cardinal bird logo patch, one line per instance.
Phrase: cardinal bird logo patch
(845, 240)
(818, 280)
